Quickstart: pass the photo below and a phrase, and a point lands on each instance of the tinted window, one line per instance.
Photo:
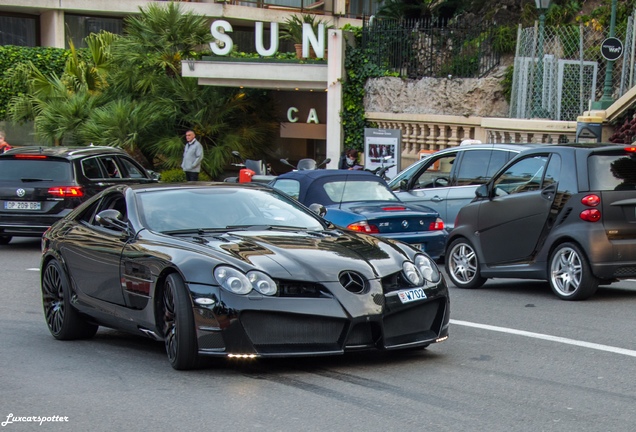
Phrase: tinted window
(473, 169)
(498, 159)
(553, 172)
(92, 168)
(523, 176)
(611, 172)
(47, 169)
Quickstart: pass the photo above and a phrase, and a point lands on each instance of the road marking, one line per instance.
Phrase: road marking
(575, 342)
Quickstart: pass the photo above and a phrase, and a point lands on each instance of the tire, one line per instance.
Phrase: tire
(63, 320)
(4, 240)
(179, 333)
(570, 276)
(462, 265)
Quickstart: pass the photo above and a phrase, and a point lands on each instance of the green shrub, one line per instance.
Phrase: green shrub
(177, 176)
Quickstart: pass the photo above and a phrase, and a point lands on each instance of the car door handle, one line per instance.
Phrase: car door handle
(437, 198)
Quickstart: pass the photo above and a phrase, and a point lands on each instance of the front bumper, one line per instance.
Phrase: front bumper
(256, 326)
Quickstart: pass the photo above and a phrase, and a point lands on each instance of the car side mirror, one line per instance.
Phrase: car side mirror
(404, 184)
(319, 209)
(482, 191)
(112, 219)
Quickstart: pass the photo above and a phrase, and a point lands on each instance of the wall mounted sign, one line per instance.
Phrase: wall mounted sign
(612, 48)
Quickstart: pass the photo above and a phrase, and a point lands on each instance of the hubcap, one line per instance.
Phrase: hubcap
(463, 263)
(566, 271)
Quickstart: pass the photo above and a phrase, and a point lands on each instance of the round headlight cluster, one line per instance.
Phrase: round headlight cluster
(421, 270)
(428, 268)
(238, 282)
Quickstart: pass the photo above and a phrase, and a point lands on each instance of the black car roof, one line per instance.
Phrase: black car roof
(64, 152)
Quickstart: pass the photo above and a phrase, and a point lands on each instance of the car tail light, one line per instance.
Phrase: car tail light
(66, 191)
(394, 208)
(364, 227)
(29, 156)
(438, 225)
(591, 214)
(630, 149)
(591, 200)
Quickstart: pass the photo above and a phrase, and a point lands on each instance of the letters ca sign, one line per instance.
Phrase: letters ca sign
(611, 49)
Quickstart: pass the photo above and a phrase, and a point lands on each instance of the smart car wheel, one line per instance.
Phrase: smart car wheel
(570, 274)
(63, 320)
(179, 334)
(462, 265)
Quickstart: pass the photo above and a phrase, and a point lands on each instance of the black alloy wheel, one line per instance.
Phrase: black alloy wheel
(179, 333)
(462, 264)
(63, 320)
(570, 275)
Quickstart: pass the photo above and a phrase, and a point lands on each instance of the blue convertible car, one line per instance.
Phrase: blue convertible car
(361, 201)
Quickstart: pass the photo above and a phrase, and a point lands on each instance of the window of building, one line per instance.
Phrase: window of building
(21, 30)
(78, 27)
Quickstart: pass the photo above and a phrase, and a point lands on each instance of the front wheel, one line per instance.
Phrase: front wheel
(570, 275)
(179, 334)
(63, 320)
(462, 264)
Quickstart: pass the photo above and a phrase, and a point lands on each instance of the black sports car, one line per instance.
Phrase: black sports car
(234, 270)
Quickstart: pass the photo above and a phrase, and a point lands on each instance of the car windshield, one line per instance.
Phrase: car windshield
(351, 191)
(35, 170)
(221, 208)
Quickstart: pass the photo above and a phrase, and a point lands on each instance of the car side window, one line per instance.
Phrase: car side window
(436, 174)
(288, 186)
(473, 167)
(553, 171)
(110, 164)
(523, 176)
(92, 168)
(132, 170)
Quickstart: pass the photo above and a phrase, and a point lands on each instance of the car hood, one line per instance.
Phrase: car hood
(315, 256)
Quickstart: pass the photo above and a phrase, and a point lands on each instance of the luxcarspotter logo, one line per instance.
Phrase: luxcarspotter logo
(32, 419)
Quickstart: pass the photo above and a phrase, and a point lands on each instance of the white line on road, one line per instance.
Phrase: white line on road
(583, 344)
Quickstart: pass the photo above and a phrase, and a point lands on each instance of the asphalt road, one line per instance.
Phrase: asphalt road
(518, 359)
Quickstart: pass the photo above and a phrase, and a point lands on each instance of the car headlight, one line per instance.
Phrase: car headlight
(237, 282)
(412, 273)
(262, 283)
(427, 268)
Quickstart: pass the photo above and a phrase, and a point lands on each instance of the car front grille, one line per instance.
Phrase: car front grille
(419, 323)
(271, 332)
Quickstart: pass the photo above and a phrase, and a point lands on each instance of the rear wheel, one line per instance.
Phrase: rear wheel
(63, 320)
(462, 264)
(4, 240)
(179, 334)
(570, 275)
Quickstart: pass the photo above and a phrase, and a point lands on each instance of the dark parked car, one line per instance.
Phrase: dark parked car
(40, 185)
(565, 214)
(361, 201)
(234, 270)
(446, 180)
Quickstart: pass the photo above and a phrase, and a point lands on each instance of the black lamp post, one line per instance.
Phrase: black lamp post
(606, 100)
(537, 99)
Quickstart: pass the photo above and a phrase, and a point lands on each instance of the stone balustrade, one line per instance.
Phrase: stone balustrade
(429, 132)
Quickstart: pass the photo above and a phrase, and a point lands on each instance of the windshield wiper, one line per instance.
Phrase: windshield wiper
(197, 231)
(28, 180)
(265, 227)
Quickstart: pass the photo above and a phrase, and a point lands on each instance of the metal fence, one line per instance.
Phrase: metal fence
(559, 71)
(430, 48)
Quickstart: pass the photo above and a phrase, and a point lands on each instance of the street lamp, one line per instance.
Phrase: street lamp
(606, 100)
(537, 106)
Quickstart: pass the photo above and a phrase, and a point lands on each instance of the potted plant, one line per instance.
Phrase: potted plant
(293, 30)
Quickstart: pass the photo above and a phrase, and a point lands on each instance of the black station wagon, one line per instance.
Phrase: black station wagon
(39, 185)
(565, 214)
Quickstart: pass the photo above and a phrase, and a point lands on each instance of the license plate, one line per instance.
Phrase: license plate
(22, 205)
(418, 246)
(414, 294)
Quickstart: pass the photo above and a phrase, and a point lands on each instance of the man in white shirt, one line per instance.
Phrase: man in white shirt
(192, 157)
